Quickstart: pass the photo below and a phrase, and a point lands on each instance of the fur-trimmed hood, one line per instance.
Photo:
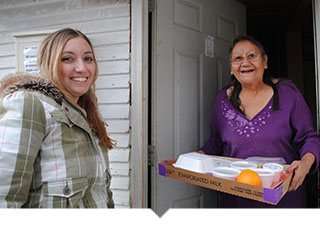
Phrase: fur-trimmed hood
(26, 82)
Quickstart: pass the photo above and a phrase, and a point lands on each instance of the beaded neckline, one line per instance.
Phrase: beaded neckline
(240, 124)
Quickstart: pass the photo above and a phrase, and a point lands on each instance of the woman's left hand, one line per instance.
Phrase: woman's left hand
(300, 169)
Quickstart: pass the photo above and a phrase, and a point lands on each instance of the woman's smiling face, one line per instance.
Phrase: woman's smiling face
(247, 63)
(77, 67)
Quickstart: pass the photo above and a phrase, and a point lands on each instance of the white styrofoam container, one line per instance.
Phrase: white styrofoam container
(266, 176)
(242, 165)
(225, 172)
(277, 168)
(195, 162)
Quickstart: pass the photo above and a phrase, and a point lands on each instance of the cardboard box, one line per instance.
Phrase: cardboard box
(266, 195)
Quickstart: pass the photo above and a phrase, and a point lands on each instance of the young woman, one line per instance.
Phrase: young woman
(53, 142)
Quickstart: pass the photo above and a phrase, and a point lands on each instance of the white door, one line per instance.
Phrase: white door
(190, 44)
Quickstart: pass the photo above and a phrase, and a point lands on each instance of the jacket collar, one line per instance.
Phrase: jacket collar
(26, 82)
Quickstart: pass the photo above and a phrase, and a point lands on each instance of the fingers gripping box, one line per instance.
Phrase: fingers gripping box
(270, 195)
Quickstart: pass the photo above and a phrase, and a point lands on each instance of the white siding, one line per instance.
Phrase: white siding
(107, 24)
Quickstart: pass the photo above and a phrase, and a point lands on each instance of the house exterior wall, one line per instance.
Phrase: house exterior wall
(107, 24)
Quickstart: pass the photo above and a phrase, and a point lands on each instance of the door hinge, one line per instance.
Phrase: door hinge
(151, 4)
(151, 155)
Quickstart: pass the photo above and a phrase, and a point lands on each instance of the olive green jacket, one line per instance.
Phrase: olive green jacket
(49, 156)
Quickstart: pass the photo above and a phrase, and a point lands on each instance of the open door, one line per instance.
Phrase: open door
(190, 41)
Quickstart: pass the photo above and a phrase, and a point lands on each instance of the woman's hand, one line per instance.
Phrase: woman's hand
(300, 169)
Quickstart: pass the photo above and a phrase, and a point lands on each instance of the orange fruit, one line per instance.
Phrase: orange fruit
(248, 176)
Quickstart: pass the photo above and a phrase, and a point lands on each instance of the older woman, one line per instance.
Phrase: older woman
(259, 116)
(54, 144)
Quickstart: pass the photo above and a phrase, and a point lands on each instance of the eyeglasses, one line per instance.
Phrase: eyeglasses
(251, 57)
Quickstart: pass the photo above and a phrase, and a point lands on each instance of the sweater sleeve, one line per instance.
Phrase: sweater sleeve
(306, 138)
(22, 128)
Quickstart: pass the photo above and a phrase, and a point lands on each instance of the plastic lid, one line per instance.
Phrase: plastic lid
(266, 159)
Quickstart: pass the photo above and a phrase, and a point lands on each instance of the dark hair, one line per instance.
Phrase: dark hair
(234, 98)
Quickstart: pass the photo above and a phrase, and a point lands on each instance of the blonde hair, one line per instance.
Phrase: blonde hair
(49, 62)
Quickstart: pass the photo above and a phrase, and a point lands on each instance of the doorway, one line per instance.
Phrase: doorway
(286, 30)
(189, 64)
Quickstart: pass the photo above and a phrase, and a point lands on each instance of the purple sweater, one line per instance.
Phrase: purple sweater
(288, 133)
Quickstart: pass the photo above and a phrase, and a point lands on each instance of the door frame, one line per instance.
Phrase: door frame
(316, 32)
(139, 105)
(139, 97)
